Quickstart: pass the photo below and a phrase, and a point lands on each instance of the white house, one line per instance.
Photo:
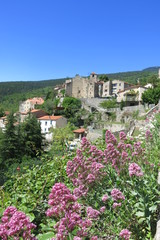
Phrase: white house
(48, 122)
(132, 95)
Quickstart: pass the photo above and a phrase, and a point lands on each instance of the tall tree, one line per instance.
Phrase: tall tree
(9, 142)
(32, 137)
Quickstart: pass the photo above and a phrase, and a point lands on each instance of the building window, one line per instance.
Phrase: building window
(119, 84)
(45, 129)
(51, 122)
(45, 123)
(105, 90)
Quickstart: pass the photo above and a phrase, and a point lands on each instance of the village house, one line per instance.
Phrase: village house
(111, 88)
(30, 104)
(80, 133)
(36, 112)
(3, 121)
(132, 95)
(48, 122)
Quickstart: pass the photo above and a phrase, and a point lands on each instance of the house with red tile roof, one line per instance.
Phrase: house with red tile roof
(80, 133)
(30, 104)
(48, 122)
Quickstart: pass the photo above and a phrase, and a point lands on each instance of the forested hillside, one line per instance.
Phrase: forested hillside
(7, 88)
(11, 93)
(134, 76)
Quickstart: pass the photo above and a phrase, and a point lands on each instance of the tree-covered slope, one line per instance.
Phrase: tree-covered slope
(135, 76)
(7, 88)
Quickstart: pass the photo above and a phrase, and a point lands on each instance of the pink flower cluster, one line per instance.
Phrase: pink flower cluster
(105, 198)
(119, 154)
(134, 169)
(116, 153)
(117, 196)
(125, 234)
(15, 224)
(148, 135)
(86, 168)
(92, 213)
(110, 138)
(67, 210)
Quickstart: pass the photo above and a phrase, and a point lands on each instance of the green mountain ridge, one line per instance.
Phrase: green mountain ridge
(13, 92)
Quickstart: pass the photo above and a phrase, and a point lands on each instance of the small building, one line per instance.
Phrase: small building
(48, 122)
(132, 95)
(112, 87)
(80, 133)
(3, 121)
(30, 104)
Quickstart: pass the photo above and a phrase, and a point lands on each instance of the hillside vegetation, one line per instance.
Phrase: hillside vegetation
(11, 93)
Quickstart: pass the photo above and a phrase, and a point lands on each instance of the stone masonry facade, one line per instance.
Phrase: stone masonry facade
(92, 87)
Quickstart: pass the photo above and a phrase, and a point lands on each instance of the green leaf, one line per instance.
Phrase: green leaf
(140, 214)
(46, 236)
(153, 208)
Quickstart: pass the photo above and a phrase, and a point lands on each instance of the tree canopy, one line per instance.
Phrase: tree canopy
(151, 96)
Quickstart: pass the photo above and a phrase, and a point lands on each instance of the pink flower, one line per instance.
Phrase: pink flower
(122, 136)
(125, 234)
(134, 169)
(102, 209)
(105, 198)
(115, 204)
(94, 238)
(117, 195)
(15, 224)
(110, 138)
(92, 213)
(148, 135)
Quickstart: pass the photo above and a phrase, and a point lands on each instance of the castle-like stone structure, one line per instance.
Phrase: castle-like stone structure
(92, 86)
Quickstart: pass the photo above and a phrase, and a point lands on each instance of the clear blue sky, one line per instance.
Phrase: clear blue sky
(45, 39)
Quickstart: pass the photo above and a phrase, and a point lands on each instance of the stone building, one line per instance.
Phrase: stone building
(111, 88)
(92, 87)
(82, 87)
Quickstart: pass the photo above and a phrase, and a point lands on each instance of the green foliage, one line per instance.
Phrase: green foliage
(135, 114)
(9, 143)
(104, 78)
(151, 96)
(61, 136)
(31, 136)
(111, 103)
(134, 76)
(122, 104)
(71, 107)
(19, 140)
(154, 80)
(2, 113)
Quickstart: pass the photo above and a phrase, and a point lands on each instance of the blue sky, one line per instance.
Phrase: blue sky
(47, 39)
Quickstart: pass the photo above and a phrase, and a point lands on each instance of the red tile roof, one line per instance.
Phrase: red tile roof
(80, 130)
(54, 118)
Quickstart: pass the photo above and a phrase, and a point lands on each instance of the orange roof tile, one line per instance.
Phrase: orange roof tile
(80, 130)
(54, 118)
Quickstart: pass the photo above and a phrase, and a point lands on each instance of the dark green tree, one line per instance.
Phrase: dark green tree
(104, 78)
(151, 96)
(154, 80)
(9, 141)
(2, 113)
(71, 106)
(32, 137)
